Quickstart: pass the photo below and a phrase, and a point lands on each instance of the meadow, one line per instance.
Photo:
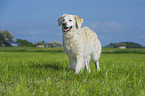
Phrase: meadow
(46, 72)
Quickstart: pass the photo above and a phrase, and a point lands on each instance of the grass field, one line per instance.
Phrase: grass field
(46, 72)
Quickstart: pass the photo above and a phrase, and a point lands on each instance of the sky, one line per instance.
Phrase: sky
(36, 20)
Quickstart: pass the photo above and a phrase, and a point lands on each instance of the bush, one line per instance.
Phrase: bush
(24, 43)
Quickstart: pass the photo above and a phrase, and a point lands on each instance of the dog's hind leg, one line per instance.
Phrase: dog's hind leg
(96, 60)
(97, 65)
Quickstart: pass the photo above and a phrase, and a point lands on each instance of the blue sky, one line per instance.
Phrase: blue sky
(113, 20)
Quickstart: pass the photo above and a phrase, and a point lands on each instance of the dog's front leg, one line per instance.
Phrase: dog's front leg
(87, 63)
(79, 65)
(72, 61)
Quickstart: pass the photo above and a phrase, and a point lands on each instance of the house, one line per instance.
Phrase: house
(40, 44)
(121, 46)
(54, 44)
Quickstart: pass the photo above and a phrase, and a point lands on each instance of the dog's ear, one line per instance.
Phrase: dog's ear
(79, 21)
(60, 19)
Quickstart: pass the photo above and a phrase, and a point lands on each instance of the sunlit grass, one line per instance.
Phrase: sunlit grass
(48, 73)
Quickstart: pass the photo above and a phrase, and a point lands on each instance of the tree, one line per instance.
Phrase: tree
(132, 45)
(5, 35)
(128, 45)
(24, 43)
(111, 45)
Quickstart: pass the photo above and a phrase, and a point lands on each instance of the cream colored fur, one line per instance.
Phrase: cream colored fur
(80, 44)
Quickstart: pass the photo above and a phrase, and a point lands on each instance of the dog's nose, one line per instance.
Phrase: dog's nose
(64, 24)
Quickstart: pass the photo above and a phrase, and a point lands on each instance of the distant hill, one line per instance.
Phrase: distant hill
(128, 45)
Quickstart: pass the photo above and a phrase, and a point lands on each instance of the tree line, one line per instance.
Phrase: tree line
(126, 44)
(6, 36)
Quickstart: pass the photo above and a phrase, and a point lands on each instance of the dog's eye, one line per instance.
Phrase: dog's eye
(63, 19)
(70, 20)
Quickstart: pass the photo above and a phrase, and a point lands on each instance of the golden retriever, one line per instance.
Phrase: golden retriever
(80, 44)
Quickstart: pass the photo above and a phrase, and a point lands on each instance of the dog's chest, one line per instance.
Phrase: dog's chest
(72, 45)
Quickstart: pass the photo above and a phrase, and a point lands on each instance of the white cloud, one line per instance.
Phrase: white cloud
(29, 32)
(110, 26)
(33, 32)
(141, 37)
(141, 27)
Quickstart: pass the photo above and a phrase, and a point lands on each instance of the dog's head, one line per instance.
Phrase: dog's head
(69, 22)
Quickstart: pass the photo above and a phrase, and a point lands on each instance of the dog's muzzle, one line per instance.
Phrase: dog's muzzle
(66, 29)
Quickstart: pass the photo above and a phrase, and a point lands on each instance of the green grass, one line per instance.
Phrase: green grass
(29, 49)
(47, 73)
(104, 50)
(125, 51)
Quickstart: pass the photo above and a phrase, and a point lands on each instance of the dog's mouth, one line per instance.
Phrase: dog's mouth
(66, 29)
